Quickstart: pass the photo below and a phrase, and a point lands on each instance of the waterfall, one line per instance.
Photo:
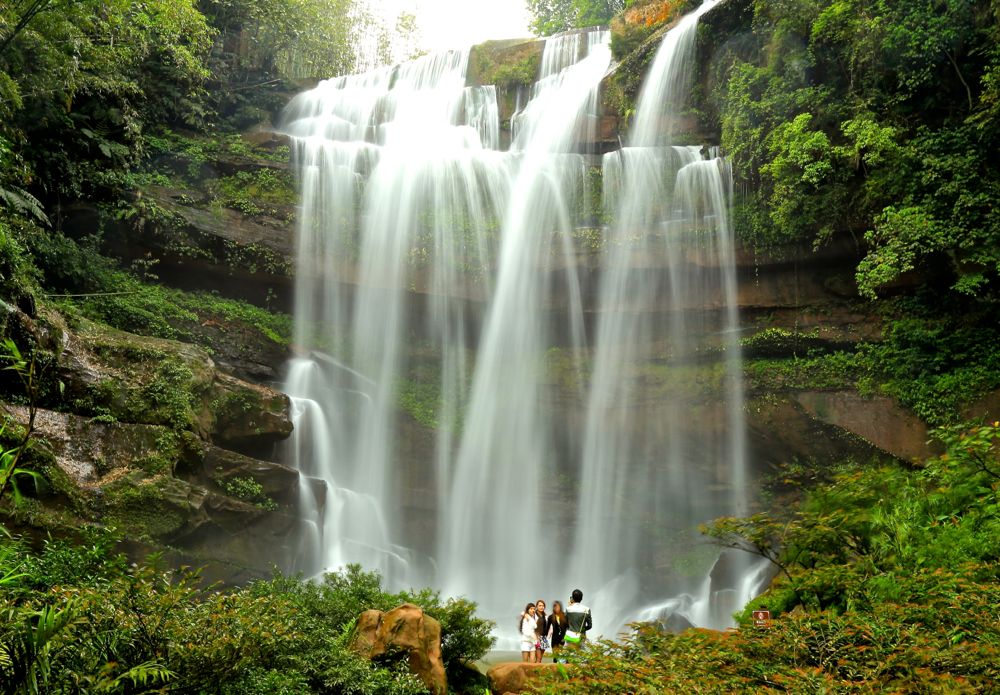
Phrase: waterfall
(494, 511)
(388, 161)
(684, 463)
(438, 284)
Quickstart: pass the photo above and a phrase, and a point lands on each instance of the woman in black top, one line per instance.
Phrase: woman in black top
(541, 631)
(557, 629)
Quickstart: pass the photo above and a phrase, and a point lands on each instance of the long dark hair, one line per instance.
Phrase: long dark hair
(526, 609)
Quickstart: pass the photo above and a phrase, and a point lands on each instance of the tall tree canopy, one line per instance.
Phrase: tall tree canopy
(552, 16)
(878, 118)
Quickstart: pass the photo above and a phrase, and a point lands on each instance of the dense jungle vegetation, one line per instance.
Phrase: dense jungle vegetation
(878, 120)
(867, 118)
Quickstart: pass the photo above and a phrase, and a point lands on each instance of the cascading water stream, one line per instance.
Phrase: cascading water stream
(663, 469)
(387, 160)
(424, 249)
(494, 511)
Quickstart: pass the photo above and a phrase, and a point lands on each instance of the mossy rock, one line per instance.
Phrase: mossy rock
(136, 379)
(512, 66)
(156, 507)
(118, 376)
(242, 415)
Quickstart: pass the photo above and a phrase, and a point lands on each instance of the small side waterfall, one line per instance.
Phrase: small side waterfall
(434, 267)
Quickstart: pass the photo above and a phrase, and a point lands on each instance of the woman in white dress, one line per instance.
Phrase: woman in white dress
(526, 627)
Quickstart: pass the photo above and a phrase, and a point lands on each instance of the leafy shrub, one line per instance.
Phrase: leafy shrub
(937, 357)
(327, 611)
(77, 615)
(250, 490)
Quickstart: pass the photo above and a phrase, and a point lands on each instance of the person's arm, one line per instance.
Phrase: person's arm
(587, 622)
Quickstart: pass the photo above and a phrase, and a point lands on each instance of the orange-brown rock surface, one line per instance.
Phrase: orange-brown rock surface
(404, 627)
(516, 677)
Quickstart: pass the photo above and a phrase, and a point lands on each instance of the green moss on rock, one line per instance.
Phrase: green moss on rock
(154, 507)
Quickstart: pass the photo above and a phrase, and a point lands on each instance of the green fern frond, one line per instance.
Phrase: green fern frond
(24, 203)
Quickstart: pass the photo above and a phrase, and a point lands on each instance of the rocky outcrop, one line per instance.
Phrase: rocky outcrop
(222, 466)
(155, 381)
(247, 416)
(128, 476)
(517, 677)
(152, 439)
(877, 419)
(780, 430)
(406, 628)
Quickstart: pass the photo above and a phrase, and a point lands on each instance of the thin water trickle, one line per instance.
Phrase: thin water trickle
(432, 265)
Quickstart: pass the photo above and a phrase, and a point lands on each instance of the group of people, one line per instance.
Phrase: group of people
(540, 631)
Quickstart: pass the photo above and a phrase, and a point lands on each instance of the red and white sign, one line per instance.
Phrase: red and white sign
(761, 618)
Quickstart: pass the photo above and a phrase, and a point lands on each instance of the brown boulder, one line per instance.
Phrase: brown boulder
(221, 465)
(404, 627)
(247, 416)
(516, 677)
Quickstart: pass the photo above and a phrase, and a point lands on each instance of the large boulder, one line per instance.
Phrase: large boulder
(247, 416)
(404, 627)
(222, 466)
(517, 677)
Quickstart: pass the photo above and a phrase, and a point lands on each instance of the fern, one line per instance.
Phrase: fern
(23, 202)
(25, 651)
(145, 675)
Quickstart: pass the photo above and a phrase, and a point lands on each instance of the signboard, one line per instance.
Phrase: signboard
(761, 618)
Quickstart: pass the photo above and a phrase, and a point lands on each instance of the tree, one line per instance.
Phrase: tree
(552, 16)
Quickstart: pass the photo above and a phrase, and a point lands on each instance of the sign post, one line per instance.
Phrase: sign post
(761, 618)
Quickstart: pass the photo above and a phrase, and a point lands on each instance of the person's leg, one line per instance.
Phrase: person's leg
(526, 656)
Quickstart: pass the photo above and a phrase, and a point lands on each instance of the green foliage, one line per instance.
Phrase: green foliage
(327, 611)
(83, 83)
(422, 400)
(30, 372)
(89, 75)
(888, 584)
(78, 616)
(248, 489)
(806, 371)
(256, 192)
(511, 75)
(872, 118)
(780, 342)
(124, 301)
(552, 16)
(935, 359)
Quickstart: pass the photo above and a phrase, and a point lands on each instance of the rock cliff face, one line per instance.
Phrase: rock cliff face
(153, 439)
